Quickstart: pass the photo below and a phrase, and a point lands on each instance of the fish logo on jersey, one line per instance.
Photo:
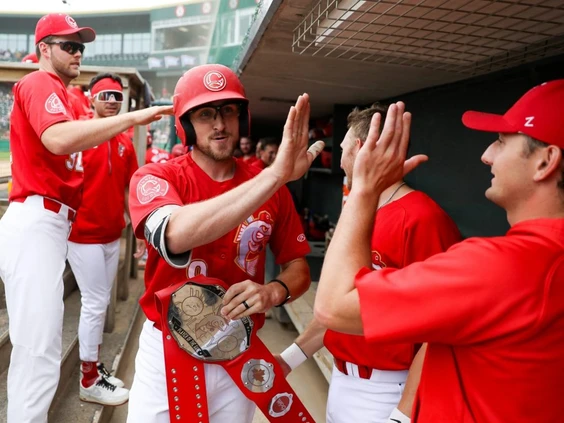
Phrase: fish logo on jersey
(377, 263)
(54, 105)
(252, 237)
(151, 187)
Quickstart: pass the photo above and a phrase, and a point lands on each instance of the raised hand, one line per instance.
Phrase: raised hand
(151, 114)
(294, 158)
(382, 159)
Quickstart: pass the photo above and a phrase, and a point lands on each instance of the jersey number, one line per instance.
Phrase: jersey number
(197, 267)
(75, 162)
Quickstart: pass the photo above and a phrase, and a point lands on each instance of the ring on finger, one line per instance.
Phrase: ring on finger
(246, 305)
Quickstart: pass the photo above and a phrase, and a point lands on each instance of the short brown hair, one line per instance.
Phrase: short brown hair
(534, 144)
(359, 120)
(46, 40)
(266, 141)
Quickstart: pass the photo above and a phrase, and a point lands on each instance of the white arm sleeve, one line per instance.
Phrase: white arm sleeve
(155, 227)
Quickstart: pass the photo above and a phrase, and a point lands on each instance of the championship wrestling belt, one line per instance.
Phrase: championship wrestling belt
(195, 332)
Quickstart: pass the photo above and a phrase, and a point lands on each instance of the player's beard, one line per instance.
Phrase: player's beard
(218, 154)
(64, 69)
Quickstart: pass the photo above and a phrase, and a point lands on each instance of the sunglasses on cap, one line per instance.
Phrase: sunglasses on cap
(71, 47)
(107, 96)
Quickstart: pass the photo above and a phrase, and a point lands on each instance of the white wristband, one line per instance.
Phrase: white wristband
(293, 356)
(398, 417)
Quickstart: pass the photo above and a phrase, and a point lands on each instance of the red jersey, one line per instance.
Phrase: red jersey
(108, 169)
(236, 256)
(259, 164)
(250, 159)
(156, 155)
(492, 310)
(407, 230)
(79, 103)
(40, 101)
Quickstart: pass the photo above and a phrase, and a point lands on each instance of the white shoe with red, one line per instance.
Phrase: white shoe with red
(104, 393)
(102, 371)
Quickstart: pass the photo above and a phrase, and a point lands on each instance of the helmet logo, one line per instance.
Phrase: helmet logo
(71, 22)
(214, 81)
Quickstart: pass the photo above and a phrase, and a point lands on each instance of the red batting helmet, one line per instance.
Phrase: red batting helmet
(206, 84)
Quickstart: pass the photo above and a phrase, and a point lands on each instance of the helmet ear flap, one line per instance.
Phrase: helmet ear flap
(245, 121)
(188, 128)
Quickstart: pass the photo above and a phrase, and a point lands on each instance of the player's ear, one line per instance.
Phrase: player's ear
(548, 162)
(358, 143)
(44, 50)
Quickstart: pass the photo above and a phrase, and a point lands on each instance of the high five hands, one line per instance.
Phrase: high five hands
(382, 159)
(294, 157)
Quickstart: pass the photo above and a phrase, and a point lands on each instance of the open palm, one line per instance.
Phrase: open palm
(382, 159)
(294, 157)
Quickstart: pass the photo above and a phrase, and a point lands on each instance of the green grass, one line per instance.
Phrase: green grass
(4, 155)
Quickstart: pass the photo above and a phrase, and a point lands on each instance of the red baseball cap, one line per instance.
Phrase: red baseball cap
(30, 58)
(61, 24)
(538, 114)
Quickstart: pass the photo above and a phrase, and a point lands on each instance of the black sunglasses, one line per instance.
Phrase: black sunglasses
(71, 47)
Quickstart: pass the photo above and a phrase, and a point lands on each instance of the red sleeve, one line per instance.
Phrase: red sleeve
(132, 164)
(428, 234)
(259, 164)
(151, 187)
(77, 105)
(44, 100)
(456, 297)
(288, 241)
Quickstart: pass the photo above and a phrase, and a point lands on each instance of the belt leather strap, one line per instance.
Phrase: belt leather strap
(255, 369)
(51, 205)
(364, 372)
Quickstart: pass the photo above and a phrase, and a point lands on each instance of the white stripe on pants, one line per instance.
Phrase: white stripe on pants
(33, 248)
(148, 399)
(95, 268)
(352, 399)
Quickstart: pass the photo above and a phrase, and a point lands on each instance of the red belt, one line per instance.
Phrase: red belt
(186, 385)
(51, 205)
(364, 372)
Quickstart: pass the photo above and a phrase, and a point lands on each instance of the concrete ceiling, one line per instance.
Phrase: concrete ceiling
(356, 52)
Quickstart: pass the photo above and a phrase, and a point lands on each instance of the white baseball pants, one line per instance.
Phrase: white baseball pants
(95, 268)
(352, 399)
(148, 399)
(33, 249)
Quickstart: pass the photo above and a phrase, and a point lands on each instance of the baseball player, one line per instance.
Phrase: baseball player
(206, 213)
(266, 153)
(94, 242)
(155, 154)
(368, 379)
(177, 151)
(491, 309)
(246, 147)
(46, 192)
